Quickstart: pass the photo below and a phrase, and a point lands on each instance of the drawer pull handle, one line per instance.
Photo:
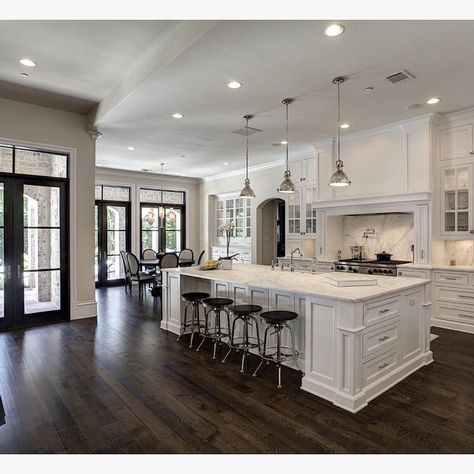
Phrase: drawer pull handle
(451, 278)
(381, 339)
(383, 311)
(465, 315)
(465, 296)
(385, 364)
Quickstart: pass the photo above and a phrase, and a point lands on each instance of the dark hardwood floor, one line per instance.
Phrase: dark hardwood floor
(119, 384)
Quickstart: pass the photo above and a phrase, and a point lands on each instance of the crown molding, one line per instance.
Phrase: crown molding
(142, 174)
(302, 154)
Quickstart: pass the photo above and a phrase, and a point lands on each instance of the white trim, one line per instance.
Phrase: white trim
(83, 310)
(308, 152)
(148, 174)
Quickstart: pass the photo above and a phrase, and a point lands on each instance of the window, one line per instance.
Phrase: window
(112, 193)
(237, 210)
(162, 220)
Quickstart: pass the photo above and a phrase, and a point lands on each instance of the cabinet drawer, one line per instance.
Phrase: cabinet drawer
(303, 266)
(454, 312)
(452, 278)
(379, 339)
(324, 268)
(381, 310)
(376, 368)
(454, 295)
(410, 273)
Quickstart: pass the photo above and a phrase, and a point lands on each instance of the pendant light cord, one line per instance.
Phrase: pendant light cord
(287, 135)
(247, 151)
(339, 163)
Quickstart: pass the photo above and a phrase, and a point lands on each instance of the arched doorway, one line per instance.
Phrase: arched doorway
(270, 231)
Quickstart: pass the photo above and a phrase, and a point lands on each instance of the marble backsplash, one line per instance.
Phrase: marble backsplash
(461, 251)
(394, 233)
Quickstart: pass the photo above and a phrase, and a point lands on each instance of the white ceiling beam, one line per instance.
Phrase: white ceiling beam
(156, 58)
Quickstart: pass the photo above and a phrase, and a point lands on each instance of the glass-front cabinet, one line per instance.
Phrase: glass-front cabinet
(456, 200)
(301, 210)
(294, 214)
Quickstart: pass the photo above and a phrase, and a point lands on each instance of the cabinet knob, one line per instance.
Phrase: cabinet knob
(471, 152)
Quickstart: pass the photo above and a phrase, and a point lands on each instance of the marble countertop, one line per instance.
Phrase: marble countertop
(454, 268)
(262, 276)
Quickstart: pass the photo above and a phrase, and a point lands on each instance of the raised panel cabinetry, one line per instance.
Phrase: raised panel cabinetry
(456, 141)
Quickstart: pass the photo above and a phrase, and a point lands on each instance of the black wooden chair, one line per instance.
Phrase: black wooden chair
(186, 258)
(167, 260)
(149, 254)
(142, 278)
(126, 270)
(201, 255)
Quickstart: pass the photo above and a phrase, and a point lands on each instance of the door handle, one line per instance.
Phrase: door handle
(18, 271)
(8, 272)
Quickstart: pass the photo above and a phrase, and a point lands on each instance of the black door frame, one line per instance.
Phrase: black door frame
(102, 240)
(15, 316)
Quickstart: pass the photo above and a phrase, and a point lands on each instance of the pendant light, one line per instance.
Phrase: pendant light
(171, 215)
(287, 185)
(339, 178)
(247, 191)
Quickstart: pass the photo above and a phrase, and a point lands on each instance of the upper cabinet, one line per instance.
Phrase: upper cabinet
(456, 141)
(301, 212)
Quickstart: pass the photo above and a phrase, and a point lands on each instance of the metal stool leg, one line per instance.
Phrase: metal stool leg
(203, 336)
(278, 328)
(183, 324)
(195, 314)
(264, 351)
(246, 339)
(217, 329)
(231, 337)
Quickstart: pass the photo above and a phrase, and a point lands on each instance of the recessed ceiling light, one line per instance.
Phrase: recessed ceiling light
(131, 148)
(369, 89)
(183, 156)
(225, 163)
(334, 30)
(183, 174)
(146, 170)
(98, 164)
(344, 125)
(414, 106)
(283, 142)
(27, 62)
(433, 100)
(24, 74)
(234, 85)
(177, 116)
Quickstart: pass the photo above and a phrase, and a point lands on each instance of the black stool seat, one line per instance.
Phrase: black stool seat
(245, 309)
(217, 302)
(195, 296)
(278, 316)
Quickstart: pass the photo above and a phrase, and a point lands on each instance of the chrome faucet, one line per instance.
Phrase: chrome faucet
(292, 267)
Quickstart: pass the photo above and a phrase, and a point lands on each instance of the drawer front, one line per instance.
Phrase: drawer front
(377, 340)
(382, 310)
(454, 312)
(324, 268)
(378, 367)
(414, 273)
(454, 295)
(303, 266)
(452, 278)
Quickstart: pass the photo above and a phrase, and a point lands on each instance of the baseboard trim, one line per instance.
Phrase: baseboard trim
(441, 323)
(83, 310)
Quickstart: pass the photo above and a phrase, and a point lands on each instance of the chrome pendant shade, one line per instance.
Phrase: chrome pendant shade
(339, 178)
(247, 191)
(287, 186)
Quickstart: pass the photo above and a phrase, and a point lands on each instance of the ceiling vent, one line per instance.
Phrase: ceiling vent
(401, 76)
(243, 131)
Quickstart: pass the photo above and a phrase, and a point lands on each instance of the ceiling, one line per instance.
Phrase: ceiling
(130, 76)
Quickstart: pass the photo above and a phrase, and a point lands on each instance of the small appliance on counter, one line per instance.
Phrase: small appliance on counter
(357, 252)
(384, 265)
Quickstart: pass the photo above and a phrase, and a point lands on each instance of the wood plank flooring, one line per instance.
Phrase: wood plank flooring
(119, 384)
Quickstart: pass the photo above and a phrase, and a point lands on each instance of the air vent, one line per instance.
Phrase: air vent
(243, 131)
(401, 76)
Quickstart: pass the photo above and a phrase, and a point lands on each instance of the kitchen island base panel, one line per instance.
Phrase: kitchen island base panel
(351, 351)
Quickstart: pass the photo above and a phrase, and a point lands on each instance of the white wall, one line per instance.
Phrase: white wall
(32, 124)
(137, 180)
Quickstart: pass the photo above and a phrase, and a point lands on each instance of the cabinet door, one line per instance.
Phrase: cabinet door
(455, 142)
(422, 245)
(321, 237)
(238, 293)
(220, 289)
(294, 214)
(308, 210)
(258, 296)
(308, 170)
(282, 300)
(456, 200)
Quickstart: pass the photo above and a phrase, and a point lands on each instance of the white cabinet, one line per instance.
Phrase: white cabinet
(456, 200)
(302, 213)
(423, 234)
(308, 170)
(293, 212)
(456, 141)
(244, 255)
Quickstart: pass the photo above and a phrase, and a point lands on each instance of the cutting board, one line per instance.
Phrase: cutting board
(344, 279)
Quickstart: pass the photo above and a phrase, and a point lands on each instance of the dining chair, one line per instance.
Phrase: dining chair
(126, 270)
(149, 254)
(136, 275)
(186, 258)
(168, 260)
(201, 255)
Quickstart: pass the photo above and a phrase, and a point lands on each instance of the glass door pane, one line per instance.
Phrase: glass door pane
(96, 246)
(41, 248)
(150, 231)
(173, 226)
(117, 229)
(2, 252)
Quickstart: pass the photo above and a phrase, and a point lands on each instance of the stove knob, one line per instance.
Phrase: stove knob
(385, 271)
(350, 269)
(389, 271)
(356, 270)
(375, 270)
(370, 272)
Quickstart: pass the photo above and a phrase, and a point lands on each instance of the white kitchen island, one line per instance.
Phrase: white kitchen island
(354, 342)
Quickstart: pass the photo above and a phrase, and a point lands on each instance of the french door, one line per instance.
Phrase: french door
(112, 235)
(34, 283)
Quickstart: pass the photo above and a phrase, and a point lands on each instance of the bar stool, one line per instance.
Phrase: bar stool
(244, 313)
(277, 320)
(216, 306)
(193, 299)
